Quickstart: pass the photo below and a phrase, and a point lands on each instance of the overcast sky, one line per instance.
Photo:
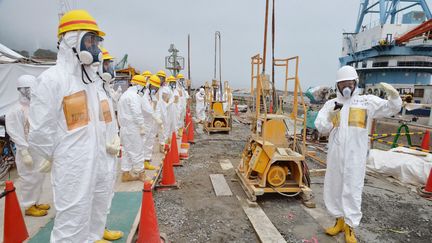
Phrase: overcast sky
(311, 29)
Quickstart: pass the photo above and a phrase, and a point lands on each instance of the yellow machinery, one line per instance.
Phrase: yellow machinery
(217, 120)
(273, 160)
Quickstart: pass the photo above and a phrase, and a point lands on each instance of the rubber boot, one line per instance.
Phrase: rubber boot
(43, 206)
(349, 234)
(337, 228)
(142, 176)
(35, 212)
(112, 234)
(128, 176)
(149, 166)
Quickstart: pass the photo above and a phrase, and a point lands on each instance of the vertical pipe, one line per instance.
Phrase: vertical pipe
(274, 101)
(265, 37)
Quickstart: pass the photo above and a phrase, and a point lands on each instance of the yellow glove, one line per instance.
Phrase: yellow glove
(392, 93)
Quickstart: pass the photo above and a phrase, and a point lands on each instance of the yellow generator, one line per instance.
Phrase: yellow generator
(218, 119)
(273, 160)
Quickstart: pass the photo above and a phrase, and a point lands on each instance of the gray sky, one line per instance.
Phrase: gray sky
(311, 29)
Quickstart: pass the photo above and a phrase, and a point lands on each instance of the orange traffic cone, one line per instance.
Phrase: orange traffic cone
(191, 132)
(428, 187)
(14, 226)
(236, 112)
(175, 159)
(426, 140)
(271, 107)
(168, 177)
(184, 146)
(148, 226)
(184, 136)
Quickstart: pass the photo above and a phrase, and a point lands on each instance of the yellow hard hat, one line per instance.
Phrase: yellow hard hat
(179, 76)
(139, 79)
(161, 73)
(105, 54)
(155, 81)
(146, 74)
(171, 79)
(78, 20)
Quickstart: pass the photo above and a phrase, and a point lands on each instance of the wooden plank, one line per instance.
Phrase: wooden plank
(226, 164)
(264, 228)
(317, 172)
(220, 185)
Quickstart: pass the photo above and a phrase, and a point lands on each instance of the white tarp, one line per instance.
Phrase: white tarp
(9, 74)
(401, 163)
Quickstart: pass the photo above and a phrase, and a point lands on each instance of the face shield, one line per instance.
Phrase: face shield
(24, 95)
(182, 82)
(89, 51)
(108, 73)
(153, 90)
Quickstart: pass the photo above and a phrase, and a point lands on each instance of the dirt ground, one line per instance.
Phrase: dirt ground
(392, 213)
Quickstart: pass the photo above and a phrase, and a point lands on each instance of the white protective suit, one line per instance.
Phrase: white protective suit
(106, 172)
(64, 115)
(163, 108)
(228, 100)
(149, 123)
(173, 112)
(131, 119)
(181, 105)
(17, 126)
(348, 148)
(200, 106)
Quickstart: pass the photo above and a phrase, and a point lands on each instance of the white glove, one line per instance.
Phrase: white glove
(142, 130)
(157, 119)
(113, 148)
(45, 166)
(26, 158)
(162, 127)
(390, 90)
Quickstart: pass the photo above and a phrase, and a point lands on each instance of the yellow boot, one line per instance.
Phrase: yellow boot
(337, 228)
(112, 234)
(149, 166)
(35, 212)
(142, 176)
(128, 176)
(43, 206)
(349, 234)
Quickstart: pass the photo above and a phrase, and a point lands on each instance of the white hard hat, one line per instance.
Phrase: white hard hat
(26, 81)
(346, 73)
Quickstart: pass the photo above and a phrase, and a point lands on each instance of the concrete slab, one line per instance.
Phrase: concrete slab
(220, 186)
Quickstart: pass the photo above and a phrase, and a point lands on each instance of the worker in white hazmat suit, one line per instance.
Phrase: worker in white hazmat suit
(347, 118)
(26, 160)
(181, 107)
(132, 130)
(108, 149)
(200, 105)
(63, 125)
(228, 99)
(154, 119)
(164, 94)
(172, 106)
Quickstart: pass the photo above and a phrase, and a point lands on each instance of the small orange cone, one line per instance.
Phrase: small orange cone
(428, 187)
(175, 159)
(271, 107)
(426, 140)
(14, 226)
(191, 132)
(168, 177)
(184, 146)
(148, 226)
(236, 112)
(184, 136)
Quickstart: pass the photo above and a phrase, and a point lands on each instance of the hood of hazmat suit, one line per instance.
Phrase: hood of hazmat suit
(64, 110)
(347, 119)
